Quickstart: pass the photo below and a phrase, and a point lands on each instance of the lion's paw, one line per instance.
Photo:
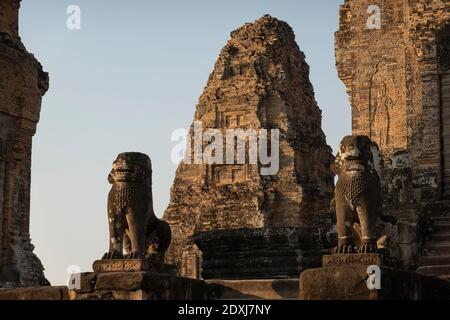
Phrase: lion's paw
(112, 255)
(370, 247)
(343, 249)
(135, 255)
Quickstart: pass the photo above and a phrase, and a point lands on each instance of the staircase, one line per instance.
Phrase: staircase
(436, 256)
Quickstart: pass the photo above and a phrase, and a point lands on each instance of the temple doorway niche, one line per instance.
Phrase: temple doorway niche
(443, 47)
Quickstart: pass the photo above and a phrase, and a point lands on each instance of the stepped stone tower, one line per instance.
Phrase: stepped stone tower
(394, 58)
(22, 85)
(260, 81)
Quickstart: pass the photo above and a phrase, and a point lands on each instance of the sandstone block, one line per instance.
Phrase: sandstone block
(36, 293)
(348, 282)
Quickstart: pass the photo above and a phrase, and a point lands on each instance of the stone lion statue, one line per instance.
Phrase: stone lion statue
(357, 195)
(135, 231)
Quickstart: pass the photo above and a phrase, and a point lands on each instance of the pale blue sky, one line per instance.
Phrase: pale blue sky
(124, 82)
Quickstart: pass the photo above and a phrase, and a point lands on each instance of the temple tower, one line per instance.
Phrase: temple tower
(259, 82)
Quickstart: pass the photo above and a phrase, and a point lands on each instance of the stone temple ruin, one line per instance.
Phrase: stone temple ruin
(238, 233)
(260, 81)
(22, 85)
(398, 81)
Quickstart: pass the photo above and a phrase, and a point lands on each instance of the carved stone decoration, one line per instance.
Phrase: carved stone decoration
(22, 85)
(135, 231)
(133, 265)
(368, 259)
(357, 195)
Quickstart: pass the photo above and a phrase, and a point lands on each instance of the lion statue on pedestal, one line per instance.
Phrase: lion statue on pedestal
(357, 195)
(135, 231)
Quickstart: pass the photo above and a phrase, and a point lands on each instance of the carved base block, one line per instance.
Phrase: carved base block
(349, 282)
(35, 293)
(366, 259)
(133, 265)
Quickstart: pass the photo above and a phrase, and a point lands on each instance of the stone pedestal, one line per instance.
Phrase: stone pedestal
(133, 265)
(344, 277)
(35, 293)
(135, 279)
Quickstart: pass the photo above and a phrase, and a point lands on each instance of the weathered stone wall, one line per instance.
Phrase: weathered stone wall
(22, 84)
(261, 80)
(396, 80)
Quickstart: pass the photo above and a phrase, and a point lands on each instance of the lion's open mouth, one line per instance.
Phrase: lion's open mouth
(124, 170)
(351, 158)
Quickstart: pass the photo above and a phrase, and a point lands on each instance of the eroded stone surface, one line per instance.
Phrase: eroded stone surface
(261, 80)
(22, 85)
(267, 253)
(273, 289)
(348, 282)
(37, 293)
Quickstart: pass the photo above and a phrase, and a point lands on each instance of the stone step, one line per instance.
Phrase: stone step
(437, 270)
(441, 220)
(443, 238)
(434, 260)
(441, 228)
(438, 249)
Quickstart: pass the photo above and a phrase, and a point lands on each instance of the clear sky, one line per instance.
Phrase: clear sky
(124, 82)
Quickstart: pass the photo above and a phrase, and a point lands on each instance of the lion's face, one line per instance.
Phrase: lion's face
(131, 167)
(355, 154)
